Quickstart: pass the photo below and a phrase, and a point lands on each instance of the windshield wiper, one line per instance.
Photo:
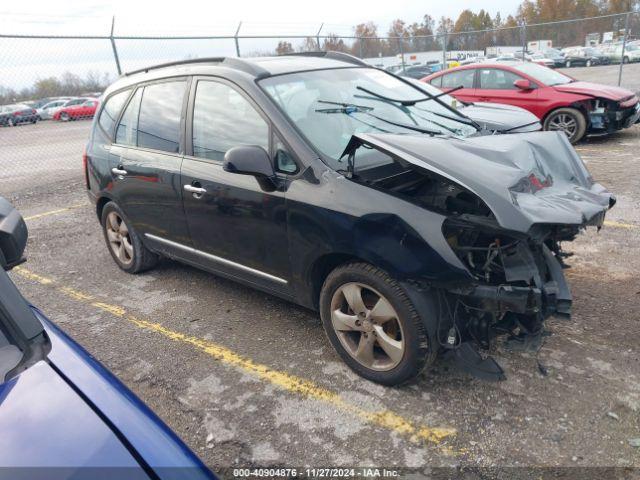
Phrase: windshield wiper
(344, 107)
(410, 103)
(519, 126)
(349, 108)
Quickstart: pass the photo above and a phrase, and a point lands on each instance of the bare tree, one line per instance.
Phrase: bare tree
(284, 47)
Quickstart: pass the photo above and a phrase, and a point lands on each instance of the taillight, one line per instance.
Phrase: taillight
(15, 114)
(85, 166)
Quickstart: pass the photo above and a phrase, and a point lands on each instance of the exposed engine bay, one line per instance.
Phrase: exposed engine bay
(507, 232)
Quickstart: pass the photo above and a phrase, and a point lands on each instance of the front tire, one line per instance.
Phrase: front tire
(568, 120)
(64, 117)
(373, 325)
(123, 242)
(567, 64)
(588, 64)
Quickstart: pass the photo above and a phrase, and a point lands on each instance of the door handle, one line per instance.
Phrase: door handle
(118, 171)
(195, 190)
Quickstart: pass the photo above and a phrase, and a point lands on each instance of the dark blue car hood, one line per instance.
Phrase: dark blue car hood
(70, 412)
(45, 423)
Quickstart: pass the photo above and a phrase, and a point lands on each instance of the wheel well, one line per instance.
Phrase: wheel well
(102, 201)
(575, 106)
(322, 267)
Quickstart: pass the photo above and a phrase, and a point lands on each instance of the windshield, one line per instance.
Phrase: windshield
(329, 106)
(543, 74)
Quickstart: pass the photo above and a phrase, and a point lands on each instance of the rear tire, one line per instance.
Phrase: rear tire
(588, 64)
(64, 117)
(124, 243)
(567, 64)
(386, 322)
(625, 59)
(568, 120)
(11, 122)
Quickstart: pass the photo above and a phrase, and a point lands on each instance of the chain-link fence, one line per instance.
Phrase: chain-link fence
(43, 76)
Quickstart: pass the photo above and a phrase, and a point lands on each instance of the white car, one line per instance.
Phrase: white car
(48, 109)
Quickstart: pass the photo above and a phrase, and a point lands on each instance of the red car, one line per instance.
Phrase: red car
(75, 112)
(559, 101)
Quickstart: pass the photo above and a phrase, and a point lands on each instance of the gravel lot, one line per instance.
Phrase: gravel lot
(247, 379)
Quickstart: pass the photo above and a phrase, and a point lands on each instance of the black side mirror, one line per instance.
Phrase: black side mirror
(248, 160)
(13, 236)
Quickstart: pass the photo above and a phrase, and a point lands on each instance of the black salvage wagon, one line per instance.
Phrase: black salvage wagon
(348, 190)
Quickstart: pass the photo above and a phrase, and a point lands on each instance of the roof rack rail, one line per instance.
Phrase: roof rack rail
(345, 57)
(231, 62)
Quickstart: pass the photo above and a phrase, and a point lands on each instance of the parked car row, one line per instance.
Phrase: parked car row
(13, 115)
(576, 56)
(63, 109)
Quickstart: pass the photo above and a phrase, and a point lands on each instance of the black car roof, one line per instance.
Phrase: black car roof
(263, 66)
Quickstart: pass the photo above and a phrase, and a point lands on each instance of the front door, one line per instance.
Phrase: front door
(497, 85)
(146, 180)
(237, 228)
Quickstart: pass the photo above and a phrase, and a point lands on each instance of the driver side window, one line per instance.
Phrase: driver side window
(223, 119)
(496, 79)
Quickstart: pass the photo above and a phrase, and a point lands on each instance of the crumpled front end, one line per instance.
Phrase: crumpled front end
(607, 116)
(510, 203)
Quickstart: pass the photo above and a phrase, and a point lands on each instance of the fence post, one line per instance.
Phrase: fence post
(624, 45)
(401, 48)
(113, 46)
(235, 37)
(318, 36)
(360, 44)
(524, 39)
(444, 50)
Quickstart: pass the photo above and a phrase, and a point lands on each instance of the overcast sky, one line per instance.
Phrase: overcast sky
(23, 61)
(295, 16)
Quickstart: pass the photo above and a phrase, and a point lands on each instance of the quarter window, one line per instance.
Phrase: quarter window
(495, 79)
(282, 158)
(127, 132)
(160, 113)
(456, 79)
(222, 119)
(110, 111)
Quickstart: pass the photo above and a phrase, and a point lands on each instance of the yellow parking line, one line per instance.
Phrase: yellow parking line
(611, 223)
(386, 419)
(54, 212)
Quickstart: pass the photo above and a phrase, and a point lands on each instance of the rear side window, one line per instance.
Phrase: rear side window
(496, 79)
(112, 109)
(460, 78)
(127, 132)
(160, 113)
(222, 119)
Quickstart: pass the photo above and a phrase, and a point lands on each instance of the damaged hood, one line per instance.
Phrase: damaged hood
(497, 116)
(596, 90)
(525, 179)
